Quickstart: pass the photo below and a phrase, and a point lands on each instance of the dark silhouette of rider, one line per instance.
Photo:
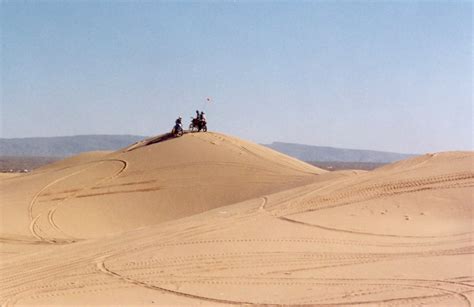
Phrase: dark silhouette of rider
(202, 120)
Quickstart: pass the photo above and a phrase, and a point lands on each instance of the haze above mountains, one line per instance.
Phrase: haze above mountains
(70, 145)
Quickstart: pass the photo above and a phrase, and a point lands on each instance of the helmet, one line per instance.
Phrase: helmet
(180, 117)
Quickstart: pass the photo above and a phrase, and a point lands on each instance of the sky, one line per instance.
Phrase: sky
(386, 75)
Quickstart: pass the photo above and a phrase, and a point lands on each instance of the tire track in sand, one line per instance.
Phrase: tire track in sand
(259, 281)
(376, 191)
(365, 193)
(53, 210)
(34, 227)
(103, 268)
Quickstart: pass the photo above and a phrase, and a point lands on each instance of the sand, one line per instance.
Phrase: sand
(209, 219)
(8, 175)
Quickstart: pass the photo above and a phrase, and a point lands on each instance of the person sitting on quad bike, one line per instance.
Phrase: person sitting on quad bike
(193, 126)
(198, 123)
(178, 127)
(202, 121)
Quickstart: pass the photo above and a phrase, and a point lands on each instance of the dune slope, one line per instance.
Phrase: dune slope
(208, 219)
(148, 183)
(400, 235)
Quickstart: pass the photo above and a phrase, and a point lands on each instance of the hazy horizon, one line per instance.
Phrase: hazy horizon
(391, 76)
(149, 136)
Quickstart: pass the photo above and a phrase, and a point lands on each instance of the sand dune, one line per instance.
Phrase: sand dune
(208, 219)
(8, 175)
(143, 185)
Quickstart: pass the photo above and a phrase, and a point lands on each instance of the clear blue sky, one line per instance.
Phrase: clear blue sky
(393, 76)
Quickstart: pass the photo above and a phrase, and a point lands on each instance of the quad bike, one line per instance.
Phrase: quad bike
(197, 125)
(177, 131)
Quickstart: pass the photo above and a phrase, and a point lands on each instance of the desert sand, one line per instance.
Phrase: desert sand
(8, 175)
(209, 219)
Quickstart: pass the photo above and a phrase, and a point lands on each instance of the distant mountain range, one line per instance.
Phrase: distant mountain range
(71, 145)
(64, 146)
(329, 154)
